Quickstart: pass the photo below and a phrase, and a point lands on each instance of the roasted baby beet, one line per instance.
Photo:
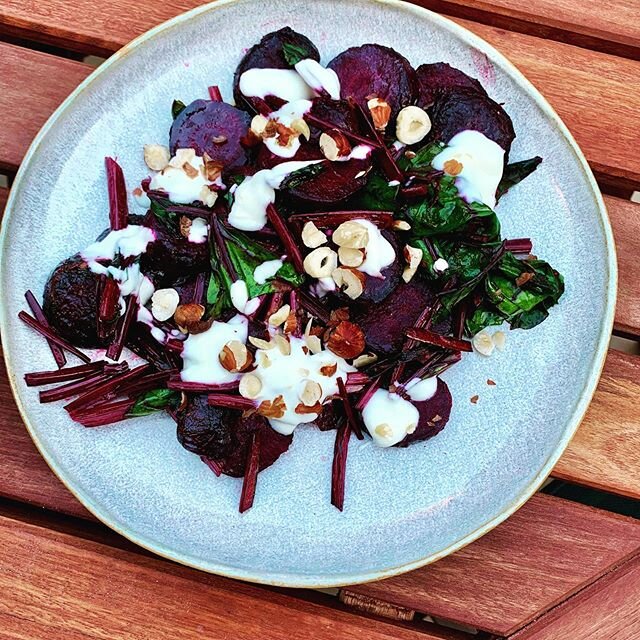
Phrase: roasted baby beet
(204, 429)
(434, 415)
(440, 77)
(214, 128)
(268, 54)
(70, 303)
(272, 444)
(374, 70)
(171, 256)
(463, 108)
(384, 324)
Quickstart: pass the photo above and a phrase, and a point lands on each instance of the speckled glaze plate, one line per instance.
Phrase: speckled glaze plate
(404, 507)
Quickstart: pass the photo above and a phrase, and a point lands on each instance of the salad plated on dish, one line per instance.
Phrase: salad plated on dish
(317, 254)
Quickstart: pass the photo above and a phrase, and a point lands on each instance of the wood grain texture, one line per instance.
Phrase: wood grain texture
(607, 610)
(611, 26)
(55, 585)
(546, 551)
(593, 92)
(32, 85)
(605, 452)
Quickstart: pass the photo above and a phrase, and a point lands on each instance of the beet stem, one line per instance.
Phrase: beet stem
(198, 387)
(222, 250)
(230, 401)
(250, 474)
(73, 388)
(36, 309)
(325, 125)
(290, 246)
(444, 342)
(313, 306)
(382, 219)
(38, 378)
(48, 333)
(104, 414)
(519, 245)
(118, 210)
(348, 410)
(108, 306)
(214, 93)
(213, 465)
(339, 467)
(115, 348)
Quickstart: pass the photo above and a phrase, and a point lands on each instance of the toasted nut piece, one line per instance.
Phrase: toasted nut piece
(413, 256)
(250, 386)
(412, 125)
(311, 393)
(284, 346)
(280, 316)
(329, 369)
(302, 409)
(346, 340)
(211, 169)
(350, 257)
(351, 234)
(164, 303)
(185, 226)
(291, 323)
(380, 113)
(273, 408)
(263, 359)
(401, 225)
(384, 430)
(207, 196)
(301, 127)
(156, 156)
(188, 315)
(313, 344)
(312, 237)
(482, 343)
(334, 145)
(258, 125)
(190, 170)
(499, 339)
(364, 360)
(452, 167)
(259, 343)
(235, 356)
(321, 262)
(350, 280)
(181, 157)
(219, 139)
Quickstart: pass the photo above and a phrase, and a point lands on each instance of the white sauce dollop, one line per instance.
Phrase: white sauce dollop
(319, 78)
(130, 241)
(179, 186)
(257, 192)
(198, 231)
(482, 163)
(389, 418)
(200, 352)
(286, 375)
(286, 114)
(379, 252)
(422, 390)
(285, 84)
(440, 265)
(266, 270)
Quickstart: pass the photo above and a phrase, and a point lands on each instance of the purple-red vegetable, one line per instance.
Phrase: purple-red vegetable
(250, 474)
(36, 309)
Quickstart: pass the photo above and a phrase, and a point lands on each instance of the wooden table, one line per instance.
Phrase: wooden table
(556, 570)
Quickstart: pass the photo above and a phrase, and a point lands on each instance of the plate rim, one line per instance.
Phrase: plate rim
(302, 580)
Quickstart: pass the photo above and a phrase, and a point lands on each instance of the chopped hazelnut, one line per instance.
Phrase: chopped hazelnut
(380, 113)
(156, 156)
(312, 237)
(321, 262)
(351, 234)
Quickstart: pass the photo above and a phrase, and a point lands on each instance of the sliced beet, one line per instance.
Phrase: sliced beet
(272, 445)
(439, 77)
(377, 289)
(375, 70)
(338, 112)
(384, 324)
(214, 128)
(171, 256)
(205, 429)
(329, 418)
(70, 303)
(434, 415)
(463, 108)
(268, 54)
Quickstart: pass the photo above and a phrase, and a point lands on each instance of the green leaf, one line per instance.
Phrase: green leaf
(168, 218)
(293, 53)
(482, 318)
(299, 176)
(177, 107)
(423, 158)
(376, 195)
(516, 172)
(154, 400)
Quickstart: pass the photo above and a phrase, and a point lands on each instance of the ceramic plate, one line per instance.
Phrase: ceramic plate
(405, 507)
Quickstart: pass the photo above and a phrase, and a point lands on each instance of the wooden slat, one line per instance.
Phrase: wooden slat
(547, 551)
(56, 585)
(32, 85)
(593, 92)
(607, 610)
(605, 452)
(611, 26)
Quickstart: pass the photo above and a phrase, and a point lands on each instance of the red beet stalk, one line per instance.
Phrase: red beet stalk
(444, 342)
(250, 474)
(356, 381)
(213, 465)
(73, 388)
(222, 249)
(118, 209)
(325, 125)
(154, 380)
(115, 348)
(230, 401)
(197, 387)
(109, 306)
(371, 388)
(313, 306)
(48, 333)
(339, 468)
(290, 246)
(214, 93)
(348, 410)
(415, 191)
(519, 245)
(382, 219)
(37, 378)
(103, 414)
(36, 309)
